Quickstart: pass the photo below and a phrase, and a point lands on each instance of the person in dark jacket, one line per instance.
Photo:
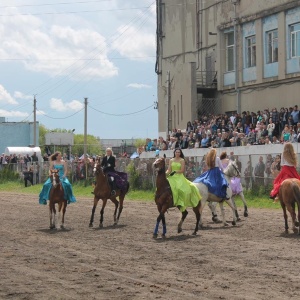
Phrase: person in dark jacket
(108, 164)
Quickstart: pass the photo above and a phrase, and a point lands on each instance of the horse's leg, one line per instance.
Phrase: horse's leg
(197, 213)
(234, 210)
(121, 198)
(62, 225)
(223, 214)
(102, 212)
(59, 221)
(286, 224)
(116, 203)
(212, 206)
(163, 220)
(245, 204)
(202, 204)
(183, 216)
(93, 211)
(291, 209)
(159, 218)
(298, 204)
(50, 215)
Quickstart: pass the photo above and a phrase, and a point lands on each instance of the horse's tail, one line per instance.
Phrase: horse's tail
(296, 191)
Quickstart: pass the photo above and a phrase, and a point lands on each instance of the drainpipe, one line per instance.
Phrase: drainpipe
(236, 64)
(167, 103)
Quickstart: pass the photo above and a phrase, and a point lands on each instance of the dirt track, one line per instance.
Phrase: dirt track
(255, 260)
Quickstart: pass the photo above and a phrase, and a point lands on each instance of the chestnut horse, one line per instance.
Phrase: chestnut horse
(56, 196)
(102, 191)
(164, 200)
(289, 196)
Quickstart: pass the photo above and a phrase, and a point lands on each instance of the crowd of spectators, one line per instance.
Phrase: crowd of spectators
(269, 126)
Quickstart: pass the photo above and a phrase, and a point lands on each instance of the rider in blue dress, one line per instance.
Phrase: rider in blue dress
(57, 163)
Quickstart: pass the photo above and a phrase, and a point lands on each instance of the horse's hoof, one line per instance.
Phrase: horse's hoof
(155, 235)
(195, 233)
(179, 230)
(233, 223)
(296, 224)
(295, 230)
(100, 225)
(115, 224)
(238, 219)
(163, 236)
(226, 224)
(62, 227)
(245, 214)
(91, 225)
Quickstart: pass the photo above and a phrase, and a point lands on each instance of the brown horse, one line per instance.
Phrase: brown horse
(164, 200)
(56, 196)
(102, 191)
(289, 196)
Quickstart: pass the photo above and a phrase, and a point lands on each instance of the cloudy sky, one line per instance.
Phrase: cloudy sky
(62, 51)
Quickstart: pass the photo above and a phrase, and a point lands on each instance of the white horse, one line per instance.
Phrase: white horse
(230, 172)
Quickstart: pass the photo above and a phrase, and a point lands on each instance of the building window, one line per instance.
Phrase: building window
(229, 39)
(272, 46)
(295, 40)
(250, 51)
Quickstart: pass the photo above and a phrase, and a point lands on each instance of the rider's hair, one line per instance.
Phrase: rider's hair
(223, 155)
(54, 155)
(211, 158)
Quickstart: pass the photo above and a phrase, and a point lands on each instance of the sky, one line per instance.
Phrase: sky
(62, 51)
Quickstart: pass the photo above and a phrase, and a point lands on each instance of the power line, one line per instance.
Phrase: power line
(121, 115)
(63, 118)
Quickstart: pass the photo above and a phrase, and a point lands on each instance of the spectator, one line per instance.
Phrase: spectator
(28, 176)
(259, 173)
(295, 115)
(247, 175)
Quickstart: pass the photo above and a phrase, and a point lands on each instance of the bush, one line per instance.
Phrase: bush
(133, 175)
(6, 174)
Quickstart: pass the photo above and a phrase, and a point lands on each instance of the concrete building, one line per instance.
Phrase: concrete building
(17, 134)
(217, 56)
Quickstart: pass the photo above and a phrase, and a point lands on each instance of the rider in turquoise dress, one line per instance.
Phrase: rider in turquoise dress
(185, 193)
(57, 163)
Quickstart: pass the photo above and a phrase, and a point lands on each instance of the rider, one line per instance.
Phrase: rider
(214, 178)
(108, 164)
(56, 162)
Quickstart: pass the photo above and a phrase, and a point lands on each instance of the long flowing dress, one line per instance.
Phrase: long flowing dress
(235, 182)
(214, 180)
(68, 192)
(185, 193)
(287, 171)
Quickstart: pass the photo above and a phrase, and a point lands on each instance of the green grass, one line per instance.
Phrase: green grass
(80, 190)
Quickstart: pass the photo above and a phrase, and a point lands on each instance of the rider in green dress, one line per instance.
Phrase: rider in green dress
(185, 193)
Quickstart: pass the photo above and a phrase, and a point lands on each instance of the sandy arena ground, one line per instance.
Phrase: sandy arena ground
(254, 260)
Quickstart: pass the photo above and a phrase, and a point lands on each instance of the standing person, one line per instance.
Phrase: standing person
(57, 163)
(288, 168)
(35, 162)
(185, 193)
(259, 172)
(247, 174)
(213, 178)
(28, 176)
(275, 167)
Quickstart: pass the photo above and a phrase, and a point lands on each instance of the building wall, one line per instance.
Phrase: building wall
(186, 42)
(17, 134)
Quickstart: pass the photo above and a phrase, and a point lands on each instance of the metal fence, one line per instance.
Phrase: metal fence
(257, 170)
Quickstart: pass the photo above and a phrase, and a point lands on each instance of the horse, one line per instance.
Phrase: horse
(230, 172)
(102, 190)
(289, 196)
(164, 200)
(56, 196)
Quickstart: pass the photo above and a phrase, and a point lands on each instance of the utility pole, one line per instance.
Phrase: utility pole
(34, 121)
(85, 139)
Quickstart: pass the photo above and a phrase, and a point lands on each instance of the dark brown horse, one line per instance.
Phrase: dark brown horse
(102, 191)
(164, 200)
(56, 196)
(289, 196)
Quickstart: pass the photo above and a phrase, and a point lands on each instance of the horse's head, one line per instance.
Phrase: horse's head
(97, 169)
(232, 169)
(159, 164)
(54, 177)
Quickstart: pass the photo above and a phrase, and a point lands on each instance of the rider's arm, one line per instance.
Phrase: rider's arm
(169, 168)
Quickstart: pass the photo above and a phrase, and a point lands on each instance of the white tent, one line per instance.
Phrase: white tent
(24, 151)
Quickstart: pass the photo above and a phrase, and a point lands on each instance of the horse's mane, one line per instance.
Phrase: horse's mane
(211, 158)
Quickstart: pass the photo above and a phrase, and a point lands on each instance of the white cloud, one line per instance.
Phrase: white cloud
(5, 96)
(76, 53)
(59, 105)
(139, 86)
(12, 113)
(20, 95)
(135, 43)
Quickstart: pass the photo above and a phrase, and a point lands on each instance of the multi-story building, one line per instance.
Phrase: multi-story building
(223, 56)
